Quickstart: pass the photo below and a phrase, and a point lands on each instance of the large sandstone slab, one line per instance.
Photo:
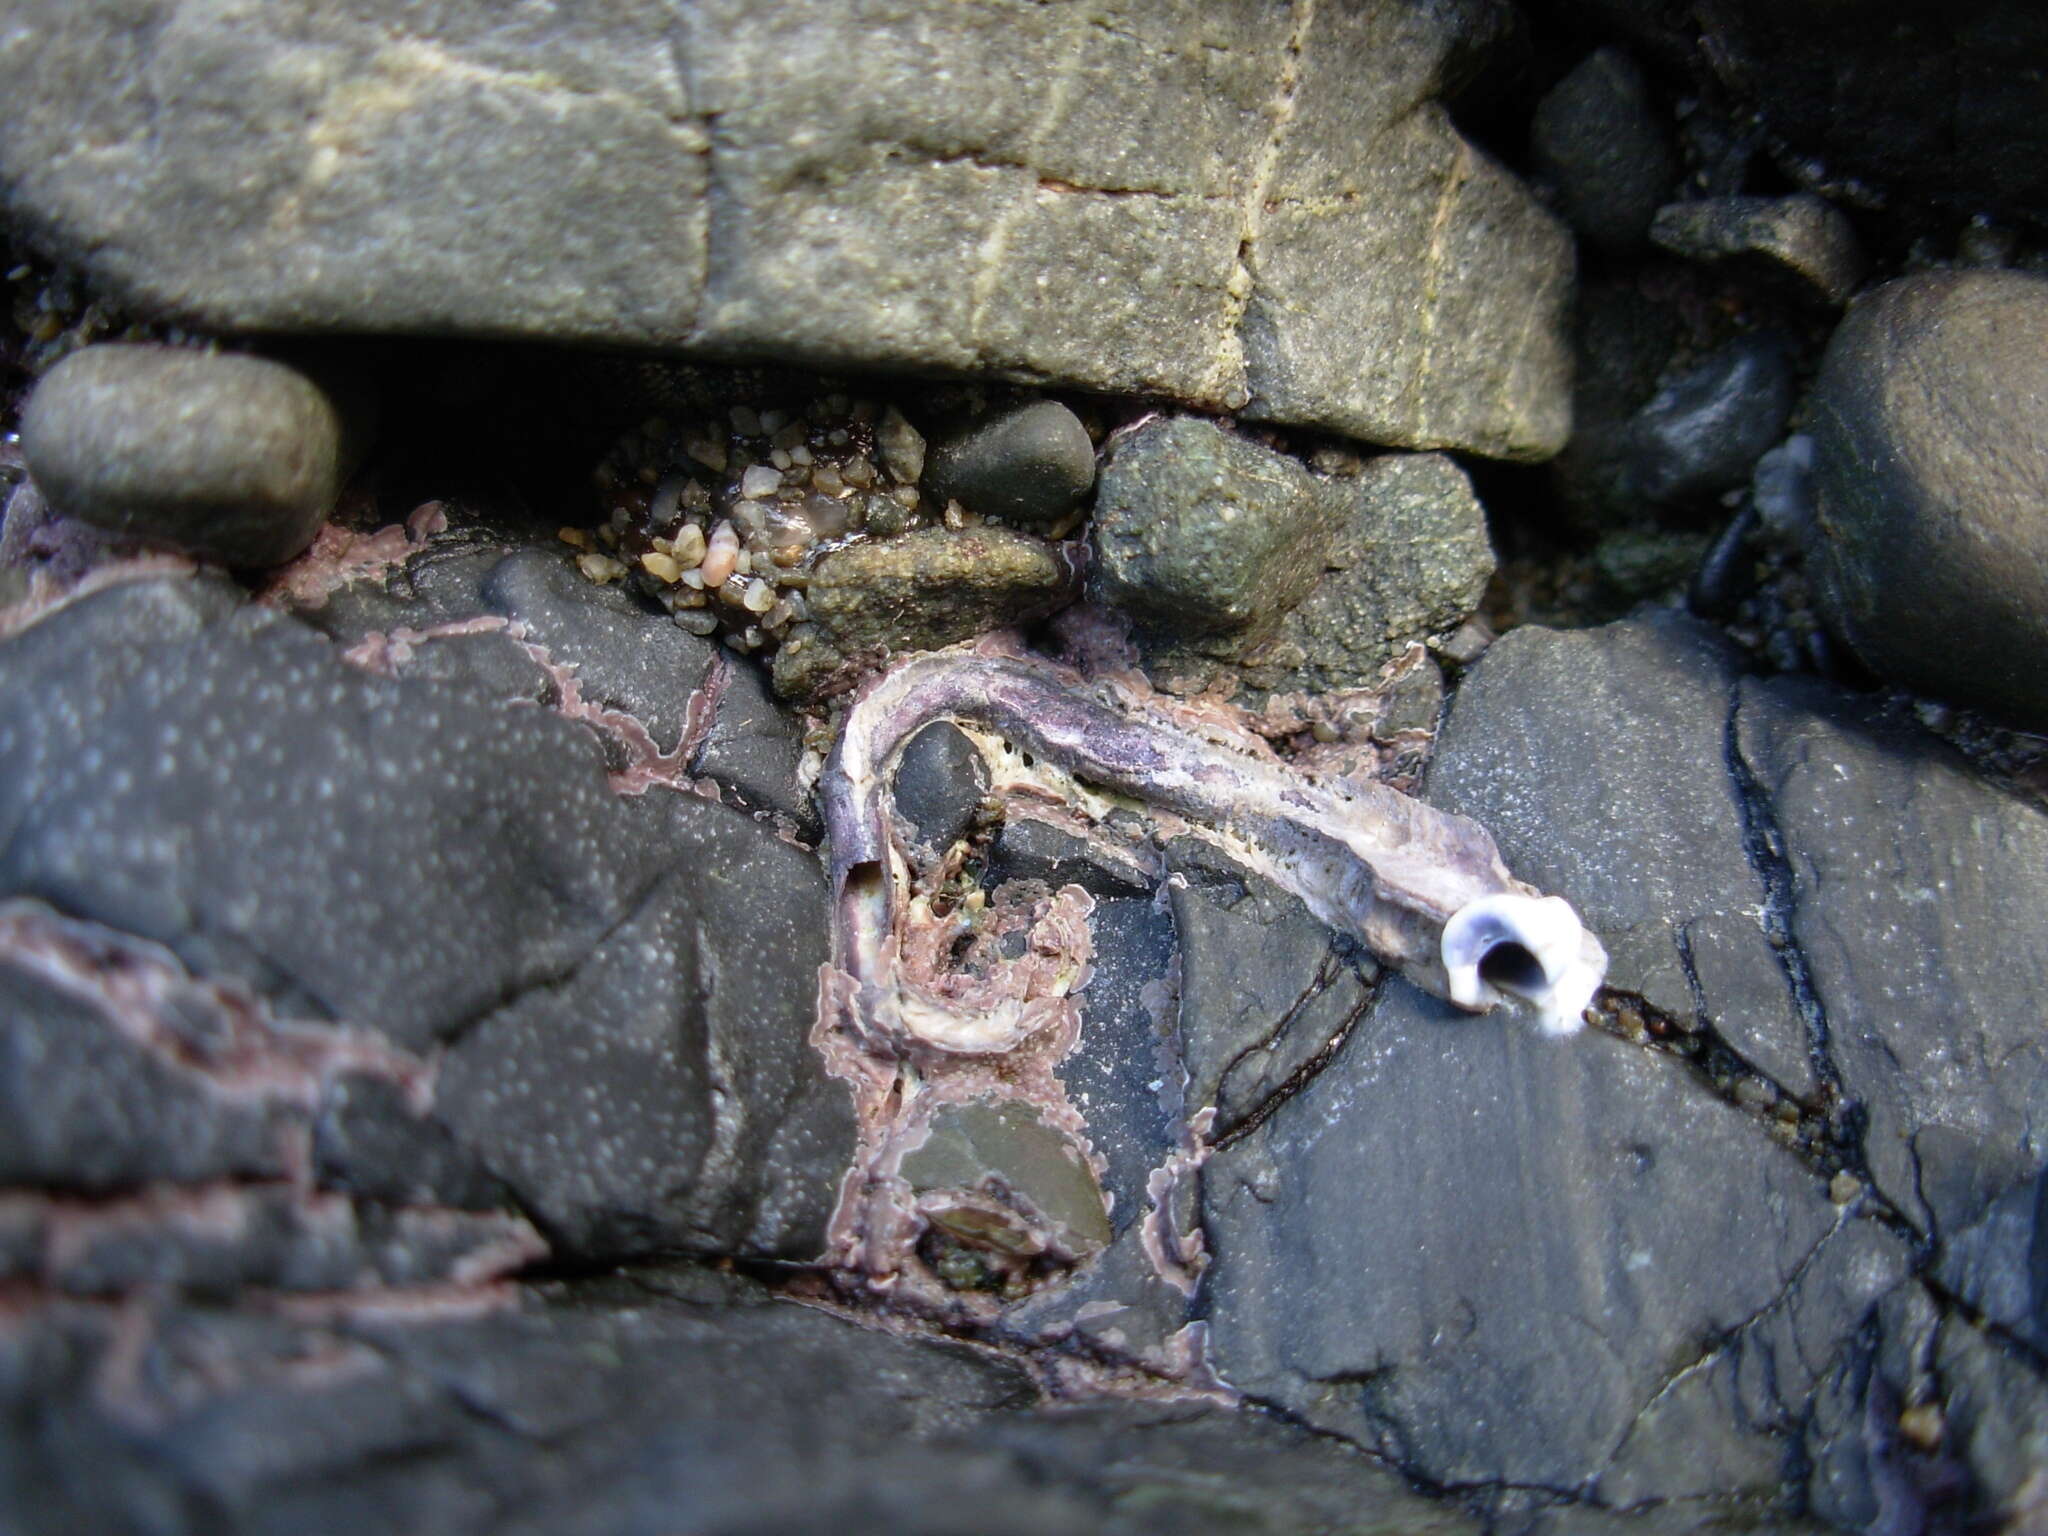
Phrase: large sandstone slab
(1234, 206)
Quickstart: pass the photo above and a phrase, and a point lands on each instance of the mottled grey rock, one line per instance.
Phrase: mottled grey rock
(1802, 236)
(677, 1402)
(1599, 138)
(1202, 532)
(1543, 748)
(940, 779)
(917, 592)
(1930, 547)
(1242, 569)
(1914, 902)
(1704, 430)
(1410, 560)
(1485, 1255)
(234, 457)
(1645, 562)
(1162, 200)
(402, 864)
(1031, 465)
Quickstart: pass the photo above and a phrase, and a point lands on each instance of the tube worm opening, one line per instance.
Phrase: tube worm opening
(1527, 949)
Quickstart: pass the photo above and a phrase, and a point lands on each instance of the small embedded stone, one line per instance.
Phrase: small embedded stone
(1030, 465)
(233, 457)
(1703, 432)
(940, 780)
(1802, 235)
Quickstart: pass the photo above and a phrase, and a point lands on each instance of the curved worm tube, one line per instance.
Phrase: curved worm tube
(1424, 890)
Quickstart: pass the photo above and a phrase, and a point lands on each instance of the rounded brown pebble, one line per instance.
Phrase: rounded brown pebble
(1929, 543)
(232, 457)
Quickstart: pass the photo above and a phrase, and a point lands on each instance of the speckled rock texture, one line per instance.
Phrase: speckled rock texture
(1152, 199)
(443, 962)
(1930, 546)
(1688, 1273)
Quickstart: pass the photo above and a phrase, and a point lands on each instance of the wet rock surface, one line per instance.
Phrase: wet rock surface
(1704, 430)
(422, 1101)
(672, 1396)
(1930, 549)
(497, 888)
(235, 457)
(1192, 172)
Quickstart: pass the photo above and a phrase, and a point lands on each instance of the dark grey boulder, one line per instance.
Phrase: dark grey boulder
(1930, 547)
(1704, 430)
(1212, 206)
(403, 864)
(1623, 343)
(1031, 465)
(1599, 138)
(234, 457)
(1935, 111)
(1802, 237)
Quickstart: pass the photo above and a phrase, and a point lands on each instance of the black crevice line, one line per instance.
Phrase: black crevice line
(1763, 845)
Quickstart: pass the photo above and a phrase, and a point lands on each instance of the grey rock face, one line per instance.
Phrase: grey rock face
(238, 458)
(1704, 430)
(918, 591)
(681, 1401)
(1914, 900)
(1200, 532)
(1171, 203)
(1803, 236)
(1930, 548)
(1032, 465)
(1486, 1256)
(409, 866)
(1845, 906)
(1598, 136)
